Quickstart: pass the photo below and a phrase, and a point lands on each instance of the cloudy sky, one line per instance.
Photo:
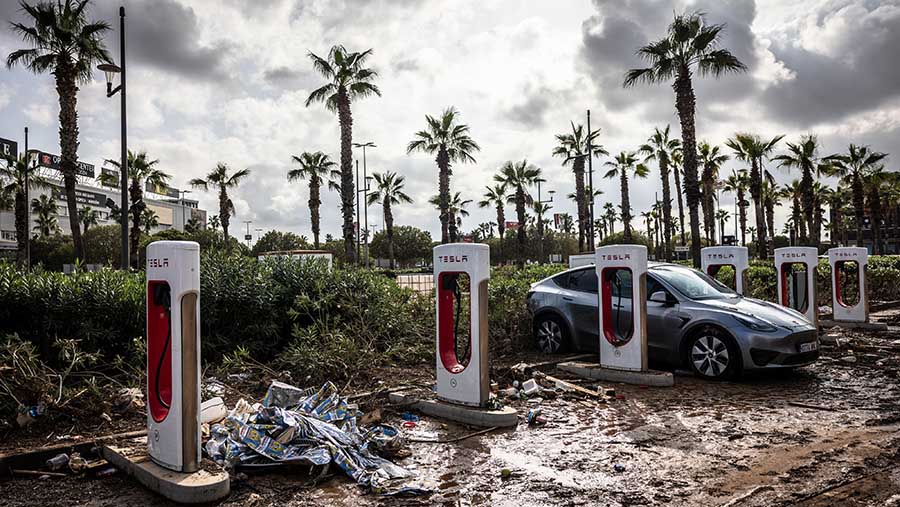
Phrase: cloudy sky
(225, 80)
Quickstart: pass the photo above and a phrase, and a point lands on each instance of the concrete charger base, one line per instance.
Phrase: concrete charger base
(594, 371)
(866, 326)
(473, 416)
(198, 487)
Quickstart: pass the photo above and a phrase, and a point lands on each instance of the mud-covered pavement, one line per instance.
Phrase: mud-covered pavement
(822, 435)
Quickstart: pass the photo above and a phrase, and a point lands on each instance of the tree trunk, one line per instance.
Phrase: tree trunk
(797, 215)
(224, 214)
(685, 103)
(520, 232)
(348, 191)
(678, 193)
(808, 202)
(67, 89)
(858, 207)
(875, 215)
(501, 228)
(626, 205)
(706, 202)
(21, 210)
(135, 195)
(666, 207)
(742, 212)
(443, 162)
(578, 169)
(389, 229)
(756, 195)
(314, 203)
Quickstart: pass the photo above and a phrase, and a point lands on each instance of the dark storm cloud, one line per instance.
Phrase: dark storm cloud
(537, 101)
(288, 77)
(862, 75)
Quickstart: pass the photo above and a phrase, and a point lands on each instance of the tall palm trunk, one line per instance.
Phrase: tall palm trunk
(540, 233)
(448, 226)
(666, 208)
(759, 212)
(135, 195)
(808, 202)
(858, 206)
(314, 203)
(389, 227)
(520, 232)
(224, 214)
(707, 203)
(348, 191)
(680, 196)
(67, 89)
(797, 216)
(837, 221)
(626, 205)
(578, 169)
(742, 216)
(685, 103)
(21, 208)
(770, 214)
(501, 228)
(875, 210)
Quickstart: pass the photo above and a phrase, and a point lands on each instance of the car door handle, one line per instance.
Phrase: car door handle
(567, 298)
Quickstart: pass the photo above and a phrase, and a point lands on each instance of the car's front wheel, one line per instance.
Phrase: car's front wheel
(712, 354)
(551, 335)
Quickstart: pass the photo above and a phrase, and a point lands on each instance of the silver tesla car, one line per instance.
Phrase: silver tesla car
(693, 321)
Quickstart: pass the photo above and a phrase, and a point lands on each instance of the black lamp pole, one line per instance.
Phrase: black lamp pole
(590, 156)
(27, 208)
(124, 163)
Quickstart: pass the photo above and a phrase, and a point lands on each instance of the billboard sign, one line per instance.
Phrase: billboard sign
(51, 161)
(8, 148)
(109, 177)
(512, 225)
(83, 197)
(162, 189)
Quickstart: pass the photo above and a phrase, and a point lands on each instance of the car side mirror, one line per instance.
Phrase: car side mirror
(662, 297)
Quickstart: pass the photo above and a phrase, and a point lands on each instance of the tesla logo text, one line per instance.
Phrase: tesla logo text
(158, 263)
(791, 255)
(454, 258)
(720, 256)
(846, 254)
(615, 257)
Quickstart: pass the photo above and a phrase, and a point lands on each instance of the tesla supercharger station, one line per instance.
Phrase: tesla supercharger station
(837, 257)
(462, 380)
(622, 347)
(714, 257)
(792, 293)
(173, 354)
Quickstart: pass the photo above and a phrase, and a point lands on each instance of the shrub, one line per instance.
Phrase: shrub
(508, 317)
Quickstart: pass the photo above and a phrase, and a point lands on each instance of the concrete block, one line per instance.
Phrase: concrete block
(865, 326)
(593, 371)
(473, 416)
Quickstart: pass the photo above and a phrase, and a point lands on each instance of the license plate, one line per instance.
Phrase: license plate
(809, 346)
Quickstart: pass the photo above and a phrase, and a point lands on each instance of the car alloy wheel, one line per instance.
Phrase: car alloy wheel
(549, 336)
(709, 356)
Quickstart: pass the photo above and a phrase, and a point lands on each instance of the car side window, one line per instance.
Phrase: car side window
(584, 280)
(562, 280)
(654, 286)
(623, 287)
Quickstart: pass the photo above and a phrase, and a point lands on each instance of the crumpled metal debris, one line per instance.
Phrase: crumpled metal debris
(307, 426)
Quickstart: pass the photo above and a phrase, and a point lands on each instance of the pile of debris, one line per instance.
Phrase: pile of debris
(314, 427)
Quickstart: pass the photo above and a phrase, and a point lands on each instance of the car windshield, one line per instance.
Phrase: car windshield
(694, 284)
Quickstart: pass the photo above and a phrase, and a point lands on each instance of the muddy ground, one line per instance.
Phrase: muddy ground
(822, 435)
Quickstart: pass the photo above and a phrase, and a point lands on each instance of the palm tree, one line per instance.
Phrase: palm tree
(793, 192)
(648, 221)
(620, 166)
(609, 212)
(496, 196)
(456, 207)
(751, 148)
(14, 172)
(804, 156)
(221, 179)
(149, 220)
(660, 148)
(722, 215)
(519, 177)
(677, 159)
(540, 209)
(348, 80)
(574, 148)
(65, 43)
(712, 159)
(317, 167)
(738, 183)
(770, 200)
(690, 46)
(389, 192)
(853, 167)
(88, 217)
(141, 170)
(450, 142)
(46, 209)
(567, 224)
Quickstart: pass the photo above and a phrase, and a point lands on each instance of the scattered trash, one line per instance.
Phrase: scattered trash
(848, 359)
(408, 492)
(106, 417)
(107, 472)
(44, 477)
(306, 426)
(409, 416)
(253, 499)
(213, 410)
(57, 462)
(510, 392)
(409, 424)
(618, 467)
(505, 473)
(126, 399)
(77, 464)
(534, 417)
(27, 415)
(530, 387)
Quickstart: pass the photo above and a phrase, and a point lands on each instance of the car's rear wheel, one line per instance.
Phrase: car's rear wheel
(550, 334)
(712, 354)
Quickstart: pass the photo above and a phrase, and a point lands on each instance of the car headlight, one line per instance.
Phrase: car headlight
(755, 323)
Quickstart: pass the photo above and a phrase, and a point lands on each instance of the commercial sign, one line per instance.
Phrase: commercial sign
(109, 177)
(51, 161)
(512, 225)
(84, 197)
(162, 189)
(8, 148)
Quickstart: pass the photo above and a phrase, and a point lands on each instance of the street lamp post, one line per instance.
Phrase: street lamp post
(183, 223)
(590, 156)
(541, 217)
(367, 144)
(110, 70)
(248, 237)
(27, 208)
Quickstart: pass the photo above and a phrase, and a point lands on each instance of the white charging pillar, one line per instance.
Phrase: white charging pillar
(837, 257)
(173, 354)
(785, 259)
(462, 380)
(713, 257)
(622, 349)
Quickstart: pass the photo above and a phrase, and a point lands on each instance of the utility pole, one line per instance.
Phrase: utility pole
(358, 224)
(541, 218)
(27, 207)
(248, 237)
(590, 156)
(365, 204)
